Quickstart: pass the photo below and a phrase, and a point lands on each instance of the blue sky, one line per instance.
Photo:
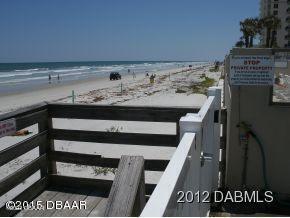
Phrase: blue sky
(80, 30)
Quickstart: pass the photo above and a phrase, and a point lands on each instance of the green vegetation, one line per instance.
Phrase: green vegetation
(198, 88)
(214, 69)
(115, 129)
(104, 170)
(203, 86)
(252, 27)
(208, 82)
(180, 91)
(202, 76)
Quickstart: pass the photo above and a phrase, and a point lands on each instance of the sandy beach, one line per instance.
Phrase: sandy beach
(171, 88)
(56, 91)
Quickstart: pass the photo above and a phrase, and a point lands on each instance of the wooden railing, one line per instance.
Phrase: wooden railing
(127, 195)
(26, 117)
(46, 161)
(120, 113)
(193, 171)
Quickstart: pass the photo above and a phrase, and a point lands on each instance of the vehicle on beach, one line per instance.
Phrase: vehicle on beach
(115, 76)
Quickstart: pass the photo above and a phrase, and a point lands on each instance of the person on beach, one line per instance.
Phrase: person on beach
(49, 78)
(152, 77)
(58, 78)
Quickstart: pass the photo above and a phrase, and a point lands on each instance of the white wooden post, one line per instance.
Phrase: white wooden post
(192, 123)
(216, 92)
(189, 123)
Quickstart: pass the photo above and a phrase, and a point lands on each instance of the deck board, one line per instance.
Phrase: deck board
(91, 202)
(44, 195)
(68, 212)
(95, 203)
(99, 210)
(60, 196)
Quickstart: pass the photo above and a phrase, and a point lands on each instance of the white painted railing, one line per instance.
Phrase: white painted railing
(193, 170)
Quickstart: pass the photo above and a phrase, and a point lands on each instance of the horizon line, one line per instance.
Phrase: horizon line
(30, 62)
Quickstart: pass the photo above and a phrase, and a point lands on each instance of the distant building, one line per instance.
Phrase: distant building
(281, 9)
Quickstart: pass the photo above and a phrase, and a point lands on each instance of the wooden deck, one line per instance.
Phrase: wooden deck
(95, 203)
(126, 194)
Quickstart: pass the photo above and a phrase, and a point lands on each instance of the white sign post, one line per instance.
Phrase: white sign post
(7, 127)
(246, 70)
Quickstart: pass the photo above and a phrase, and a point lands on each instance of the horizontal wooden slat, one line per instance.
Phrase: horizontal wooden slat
(75, 182)
(23, 111)
(156, 165)
(20, 148)
(27, 195)
(149, 188)
(20, 175)
(96, 184)
(31, 119)
(97, 160)
(114, 137)
(108, 106)
(126, 113)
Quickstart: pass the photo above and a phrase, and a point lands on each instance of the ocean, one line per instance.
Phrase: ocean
(20, 77)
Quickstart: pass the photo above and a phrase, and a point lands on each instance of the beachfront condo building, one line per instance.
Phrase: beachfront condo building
(281, 9)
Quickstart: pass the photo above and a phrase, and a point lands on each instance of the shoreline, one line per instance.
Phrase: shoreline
(37, 77)
(48, 86)
(61, 91)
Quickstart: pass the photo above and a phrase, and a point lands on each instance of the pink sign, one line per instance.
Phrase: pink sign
(7, 127)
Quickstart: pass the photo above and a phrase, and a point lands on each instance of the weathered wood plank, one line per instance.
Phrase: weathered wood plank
(77, 197)
(140, 199)
(100, 208)
(156, 165)
(20, 175)
(53, 195)
(44, 148)
(23, 111)
(114, 137)
(44, 196)
(92, 201)
(60, 196)
(20, 148)
(108, 106)
(100, 185)
(27, 195)
(75, 182)
(83, 159)
(51, 165)
(124, 199)
(126, 113)
(98, 160)
(31, 119)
